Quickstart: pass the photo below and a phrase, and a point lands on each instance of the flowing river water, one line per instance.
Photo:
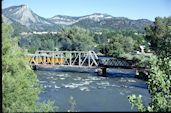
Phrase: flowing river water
(90, 91)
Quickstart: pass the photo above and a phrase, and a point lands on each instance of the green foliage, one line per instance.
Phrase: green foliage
(100, 38)
(159, 37)
(115, 49)
(159, 78)
(32, 49)
(139, 40)
(39, 42)
(20, 87)
(75, 38)
(116, 45)
(113, 24)
(136, 101)
(159, 84)
(139, 60)
(46, 106)
(72, 104)
(19, 28)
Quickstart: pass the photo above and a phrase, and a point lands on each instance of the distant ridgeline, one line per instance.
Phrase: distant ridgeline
(23, 19)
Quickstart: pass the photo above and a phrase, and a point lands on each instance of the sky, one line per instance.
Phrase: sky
(132, 9)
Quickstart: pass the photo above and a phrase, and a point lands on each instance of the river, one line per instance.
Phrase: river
(90, 91)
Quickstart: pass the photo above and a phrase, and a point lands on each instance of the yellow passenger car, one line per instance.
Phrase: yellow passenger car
(45, 60)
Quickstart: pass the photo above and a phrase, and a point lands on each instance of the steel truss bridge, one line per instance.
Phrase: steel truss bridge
(87, 59)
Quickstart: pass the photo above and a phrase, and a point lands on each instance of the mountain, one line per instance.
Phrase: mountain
(24, 18)
(99, 21)
(114, 23)
(63, 19)
(23, 15)
(69, 20)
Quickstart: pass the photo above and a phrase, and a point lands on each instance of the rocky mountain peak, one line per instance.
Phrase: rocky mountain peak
(25, 6)
(96, 16)
(25, 16)
(97, 21)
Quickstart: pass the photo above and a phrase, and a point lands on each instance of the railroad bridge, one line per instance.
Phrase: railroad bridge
(81, 59)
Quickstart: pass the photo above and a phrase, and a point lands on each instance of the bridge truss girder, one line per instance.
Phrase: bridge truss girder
(114, 62)
(64, 58)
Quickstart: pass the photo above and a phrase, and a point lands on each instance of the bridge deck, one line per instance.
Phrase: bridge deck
(76, 59)
(63, 58)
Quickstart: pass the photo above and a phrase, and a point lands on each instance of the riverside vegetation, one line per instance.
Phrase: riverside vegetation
(159, 78)
(20, 87)
(19, 81)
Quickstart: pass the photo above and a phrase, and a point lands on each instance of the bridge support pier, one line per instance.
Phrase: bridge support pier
(34, 67)
(101, 71)
(141, 74)
(104, 72)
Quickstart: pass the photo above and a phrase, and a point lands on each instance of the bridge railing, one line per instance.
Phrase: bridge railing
(63, 58)
(76, 59)
(114, 62)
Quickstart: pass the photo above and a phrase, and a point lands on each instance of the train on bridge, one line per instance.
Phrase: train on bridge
(86, 59)
(44, 60)
(75, 59)
(63, 58)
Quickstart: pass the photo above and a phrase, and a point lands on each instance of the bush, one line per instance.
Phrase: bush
(159, 84)
(20, 87)
(159, 78)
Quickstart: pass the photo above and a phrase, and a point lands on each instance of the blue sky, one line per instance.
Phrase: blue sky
(132, 9)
